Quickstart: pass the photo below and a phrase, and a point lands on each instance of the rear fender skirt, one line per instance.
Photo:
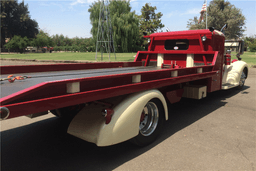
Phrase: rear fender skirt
(90, 125)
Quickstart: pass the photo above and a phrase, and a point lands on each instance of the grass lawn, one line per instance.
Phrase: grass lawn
(71, 56)
(248, 57)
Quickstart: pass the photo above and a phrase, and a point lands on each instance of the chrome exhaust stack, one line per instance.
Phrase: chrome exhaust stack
(4, 113)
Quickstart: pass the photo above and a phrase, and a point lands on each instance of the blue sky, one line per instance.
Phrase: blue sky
(71, 17)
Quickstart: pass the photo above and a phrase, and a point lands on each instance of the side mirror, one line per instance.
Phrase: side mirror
(240, 50)
(224, 27)
(241, 47)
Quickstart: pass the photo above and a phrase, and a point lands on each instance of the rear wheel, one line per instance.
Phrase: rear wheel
(151, 123)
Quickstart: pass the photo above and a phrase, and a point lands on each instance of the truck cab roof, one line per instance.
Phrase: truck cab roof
(185, 32)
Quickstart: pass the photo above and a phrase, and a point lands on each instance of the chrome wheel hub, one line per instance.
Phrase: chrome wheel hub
(149, 119)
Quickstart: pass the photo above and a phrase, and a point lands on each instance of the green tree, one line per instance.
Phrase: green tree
(150, 21)
(219, 13)
(249, 40)
(193, 24)
(125, 28)
(88, 44)
(77, 41)
(67, 41)
(60, 40)
(15, 20)
(42, 39)
(252, 47)
(17, 43)
(74, 48)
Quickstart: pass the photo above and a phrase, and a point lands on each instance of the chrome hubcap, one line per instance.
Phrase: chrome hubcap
(149, 119)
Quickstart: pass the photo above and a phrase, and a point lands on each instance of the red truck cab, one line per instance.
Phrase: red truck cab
(183, 49)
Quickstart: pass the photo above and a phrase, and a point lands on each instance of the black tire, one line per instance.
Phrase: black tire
(242, 80)
(150, 125)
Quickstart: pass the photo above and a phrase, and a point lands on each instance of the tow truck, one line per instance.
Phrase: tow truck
(112, 102)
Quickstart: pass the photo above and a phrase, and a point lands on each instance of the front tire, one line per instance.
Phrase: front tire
(242, 80)
(151, 123)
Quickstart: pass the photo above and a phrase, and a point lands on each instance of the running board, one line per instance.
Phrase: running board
(229, 86)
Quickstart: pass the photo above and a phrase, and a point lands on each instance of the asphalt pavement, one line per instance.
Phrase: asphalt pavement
(215, 133)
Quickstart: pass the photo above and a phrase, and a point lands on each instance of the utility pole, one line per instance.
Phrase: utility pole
(206, 14)
(105, 42)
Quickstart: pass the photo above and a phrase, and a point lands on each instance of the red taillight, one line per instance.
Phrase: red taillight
(227, 59)
(107, 113)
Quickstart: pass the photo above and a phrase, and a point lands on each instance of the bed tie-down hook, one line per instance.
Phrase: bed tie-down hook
(12, 78)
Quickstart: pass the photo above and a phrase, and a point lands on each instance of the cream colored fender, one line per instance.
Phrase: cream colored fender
(89, 124)
(232, 74)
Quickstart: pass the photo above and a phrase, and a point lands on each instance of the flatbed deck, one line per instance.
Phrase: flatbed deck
(47, 87)
(40, 77)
